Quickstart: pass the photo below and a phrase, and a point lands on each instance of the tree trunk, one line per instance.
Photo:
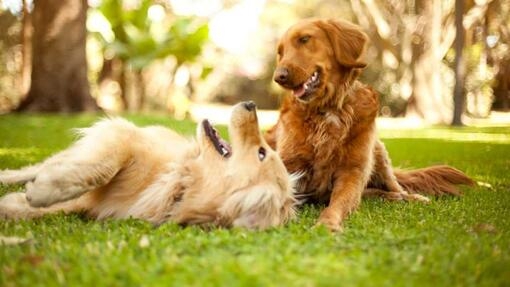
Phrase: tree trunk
(498, 17)
(502, 87)
(139, 89)
(114, 70)
(26, 52)
(460, 69)
(59, 80)
(426, 100)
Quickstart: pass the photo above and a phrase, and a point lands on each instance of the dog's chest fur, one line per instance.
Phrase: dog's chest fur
(305, 145)
(315, 142)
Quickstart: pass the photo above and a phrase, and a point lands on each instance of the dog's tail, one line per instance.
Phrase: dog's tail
(22, 175)
(434, 180)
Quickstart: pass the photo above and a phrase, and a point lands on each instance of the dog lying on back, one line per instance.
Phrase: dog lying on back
(326, 129)
(118, 170)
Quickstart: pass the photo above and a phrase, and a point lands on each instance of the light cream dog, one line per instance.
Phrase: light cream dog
(118, 170)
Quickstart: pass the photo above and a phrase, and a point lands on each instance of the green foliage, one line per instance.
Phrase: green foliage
(449, 242)
(138, 41)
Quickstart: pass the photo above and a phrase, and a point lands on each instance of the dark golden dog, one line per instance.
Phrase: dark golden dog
(326, 129)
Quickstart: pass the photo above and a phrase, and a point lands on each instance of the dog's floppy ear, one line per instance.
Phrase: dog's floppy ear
(347, 40)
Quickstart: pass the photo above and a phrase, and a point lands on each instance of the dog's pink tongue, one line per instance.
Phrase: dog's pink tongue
(299, 92)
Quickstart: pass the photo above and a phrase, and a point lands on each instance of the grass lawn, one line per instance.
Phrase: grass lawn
(450, 242)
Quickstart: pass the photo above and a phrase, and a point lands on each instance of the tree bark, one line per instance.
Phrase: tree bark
(426, 100)
(460, 69)
(59, 80)
(26, 52)
(502, 87)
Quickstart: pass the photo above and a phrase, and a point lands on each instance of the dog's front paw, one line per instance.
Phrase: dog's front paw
(37, 195)
(331, 220)
(43, 194)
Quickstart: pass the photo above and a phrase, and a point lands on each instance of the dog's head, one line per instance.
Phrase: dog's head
(243, 183)
(313, 54)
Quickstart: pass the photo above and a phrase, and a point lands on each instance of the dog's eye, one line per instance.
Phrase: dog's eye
(262, 153)
(304, 39)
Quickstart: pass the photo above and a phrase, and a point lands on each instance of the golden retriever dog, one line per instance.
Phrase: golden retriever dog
(326, 129)
(118, 170)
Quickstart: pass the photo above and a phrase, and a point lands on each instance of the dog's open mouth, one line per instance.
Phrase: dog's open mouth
(308, 87)
(221, 145)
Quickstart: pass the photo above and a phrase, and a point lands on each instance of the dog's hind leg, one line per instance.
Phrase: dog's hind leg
(65, 175)
(69, 179)
(388, 195)
(15, 206)
(29, 173)
(383, 175)
(90, 163)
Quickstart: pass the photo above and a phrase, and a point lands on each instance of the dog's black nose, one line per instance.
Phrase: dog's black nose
(250, 106)
(281, 75)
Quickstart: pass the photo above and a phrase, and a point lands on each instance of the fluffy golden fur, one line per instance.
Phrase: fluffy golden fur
(326, 130)
(118, 170)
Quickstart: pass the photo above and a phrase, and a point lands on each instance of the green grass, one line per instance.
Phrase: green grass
(450, 242)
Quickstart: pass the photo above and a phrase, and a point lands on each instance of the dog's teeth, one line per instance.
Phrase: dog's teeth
(224, 151)
(305, 86)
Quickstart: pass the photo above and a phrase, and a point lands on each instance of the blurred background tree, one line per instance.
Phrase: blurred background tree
(134, 37)
(59, 80)
(170, 54)
(413, 41)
